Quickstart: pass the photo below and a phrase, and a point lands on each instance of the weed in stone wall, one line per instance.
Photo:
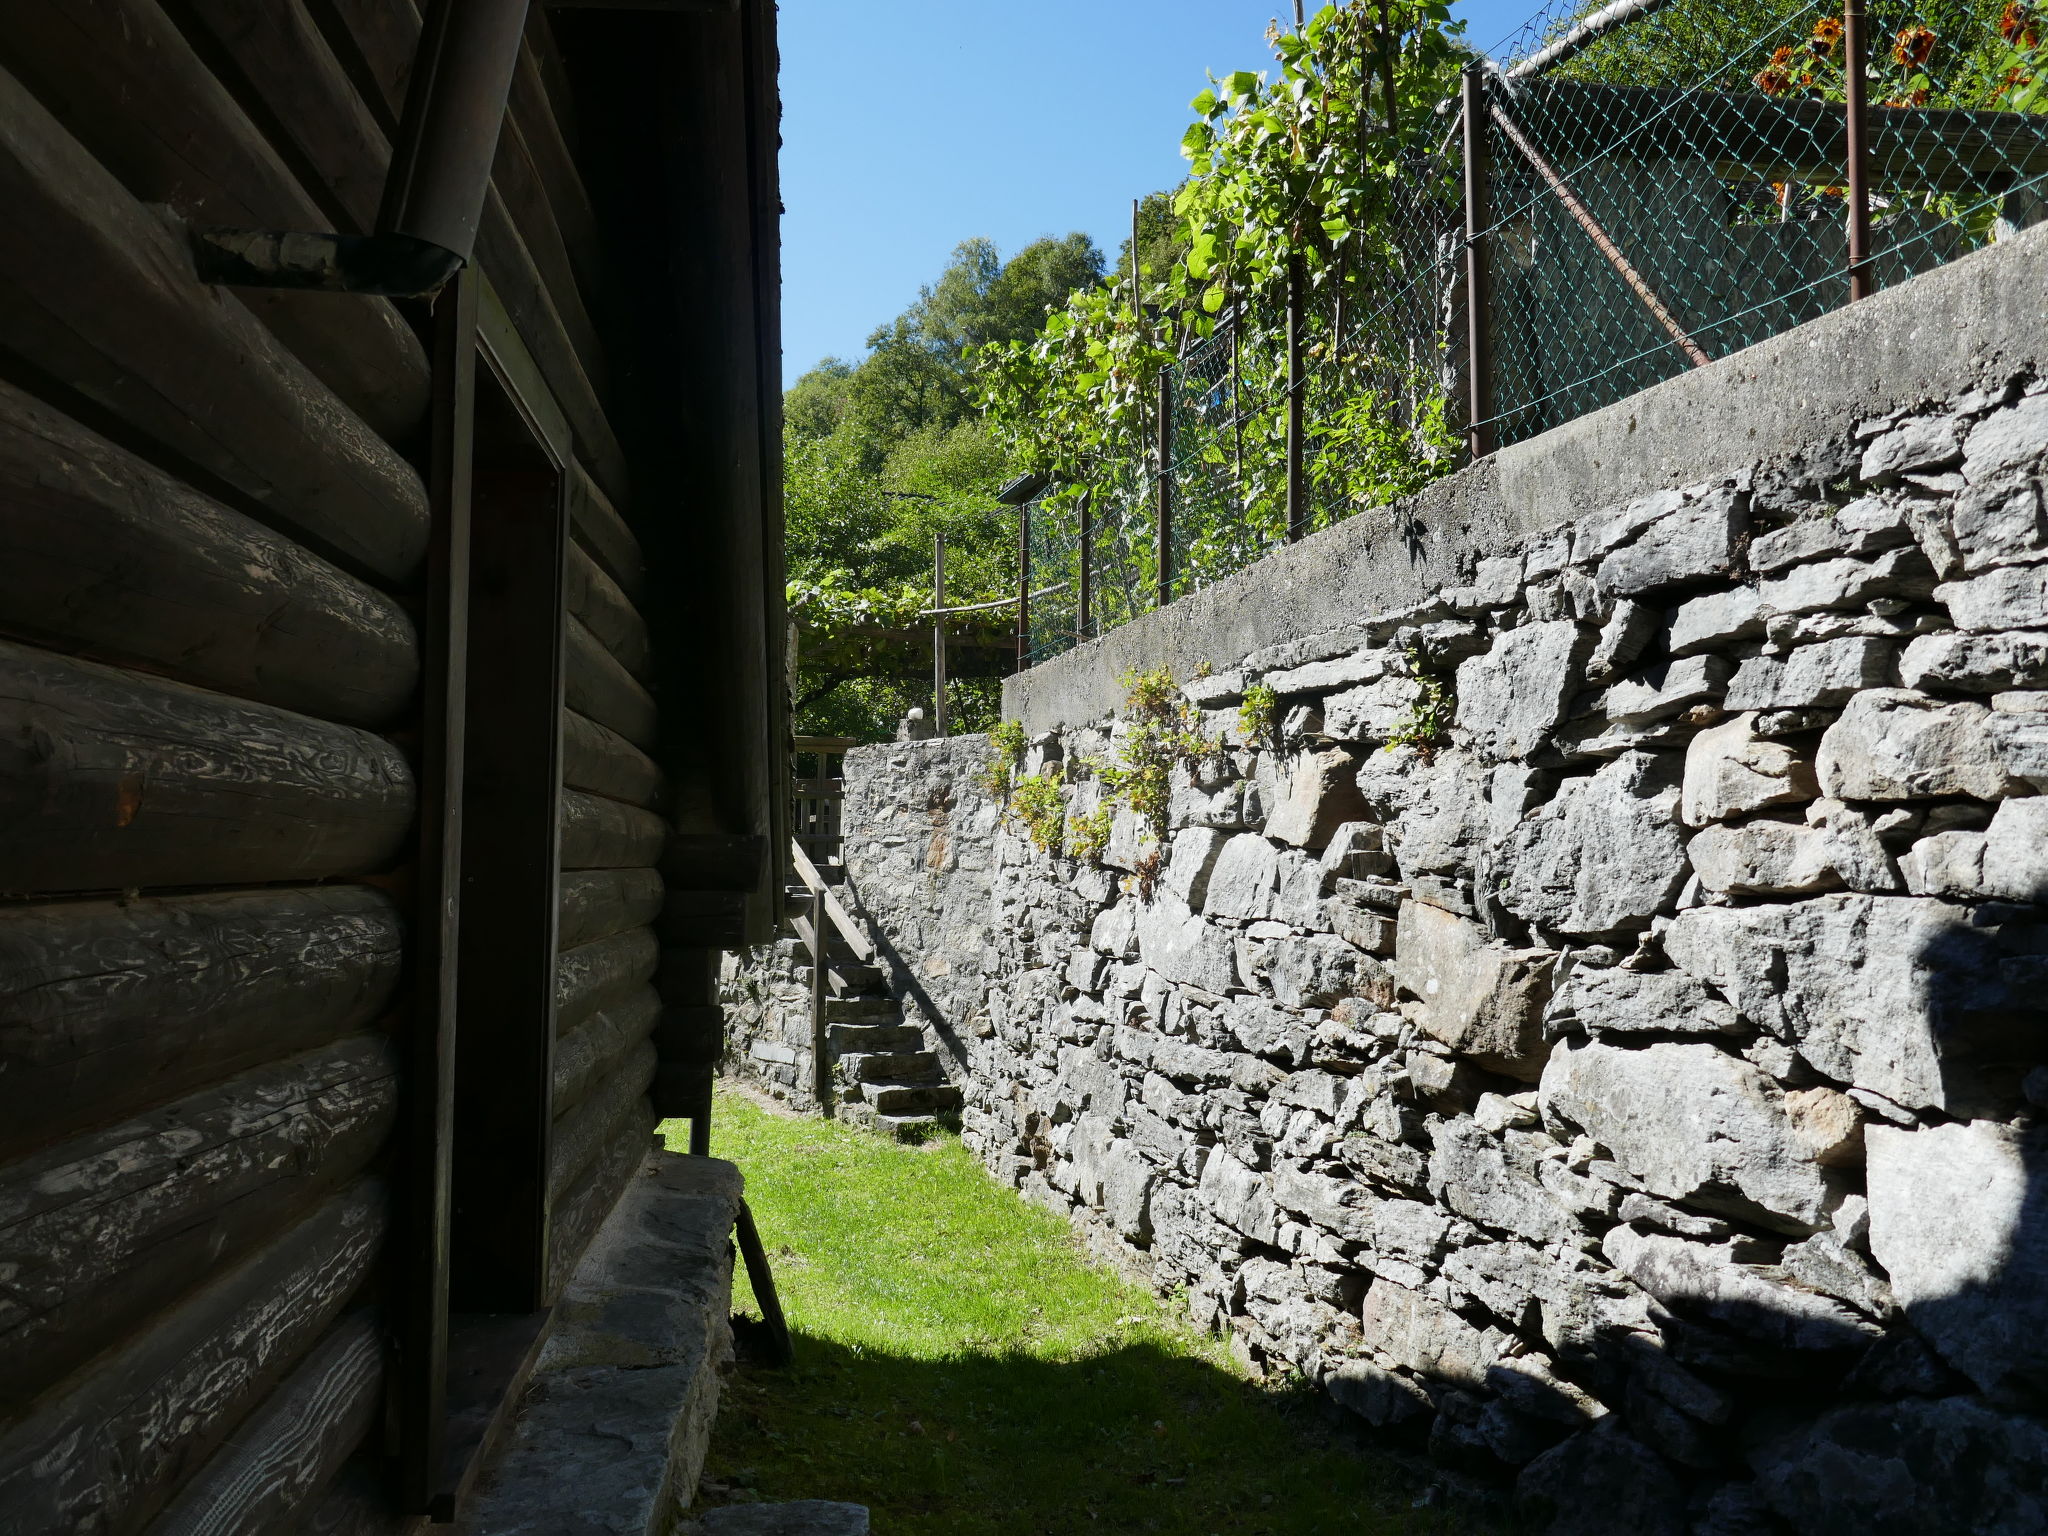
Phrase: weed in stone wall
(1088, 832)
(1006, 744)
(1036, 802)
(1163, 734)
(1427, 725)
(1258, 715)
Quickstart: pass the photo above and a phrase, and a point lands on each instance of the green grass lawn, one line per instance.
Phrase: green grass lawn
(964, 1370)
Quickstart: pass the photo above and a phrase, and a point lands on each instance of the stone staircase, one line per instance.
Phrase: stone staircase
(882, 1074)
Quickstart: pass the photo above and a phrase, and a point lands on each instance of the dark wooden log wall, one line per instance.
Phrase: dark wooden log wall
(214, 521)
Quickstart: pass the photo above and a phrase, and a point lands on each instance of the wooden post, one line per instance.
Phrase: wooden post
(1856, 145)
(1023, 586)
(939, 634)
(1297, 381)
(1163, 449)
(1085, 572)
(1480, 436)
(821, 1052)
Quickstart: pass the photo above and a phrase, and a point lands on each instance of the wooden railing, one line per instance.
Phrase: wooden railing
(816, 921)
(816, 797)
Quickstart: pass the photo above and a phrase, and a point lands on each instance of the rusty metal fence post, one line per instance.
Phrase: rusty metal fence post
(1297, 390)
(1163, 448)
(1856, 145)
(1084, 572)
(1023, 586)
(1479, 429)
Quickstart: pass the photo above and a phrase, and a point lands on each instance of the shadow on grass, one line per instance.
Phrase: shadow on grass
(1132, 1438)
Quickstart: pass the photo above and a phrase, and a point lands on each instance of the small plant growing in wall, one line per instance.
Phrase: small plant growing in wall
(1006, 744)
(1258, 714)
(1088, 832)
(1163, 734)
(1427, 725)
(1037, 803)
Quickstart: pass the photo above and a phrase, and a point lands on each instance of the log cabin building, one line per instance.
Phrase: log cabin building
(391, 712)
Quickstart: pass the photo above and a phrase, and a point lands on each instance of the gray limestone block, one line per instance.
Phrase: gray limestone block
(1604, 1482)
(1977, 663)
(1620, 1002)
(1476, 1176)
(1849, 582)
(1483, 1000)
(1898, 744)
(1897, 995)
(1318, 969)
(1242, 880)
(1372, 711)
(1174, 942)
(1999, 523)
(1704, 1281)
(1513, 697)
(1959, 1222)
(2010, 438)
(803, 1517)
(1827, 1264)
(1863, 527)
(1239, 1198)
(1695, 1124)
(1422, 1335)
(1190, 858)
(1219, 688)
(1666, 689)
(2019, 727)
(2008, 597)
(1954, 1466)
(1604, 855)
(1821, 675)
(1917, 443)
(1715, 619)
(1593, 535)
(1764, 858)
(1381, 1397)
(1320, 795)
(2008, 861)
(1692, 543)
(1330, 675)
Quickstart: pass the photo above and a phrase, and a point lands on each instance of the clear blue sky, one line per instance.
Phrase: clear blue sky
(911, 125)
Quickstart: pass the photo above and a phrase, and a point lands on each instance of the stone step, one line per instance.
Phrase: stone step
(875, 1067)
(850, 981)
(804, 1517)
(910, 1098)
(848, 1038)
(863, 1010)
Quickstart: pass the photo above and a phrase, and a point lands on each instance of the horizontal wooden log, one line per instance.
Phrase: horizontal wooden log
(576, 1216)
(597, 903)
(589, 1053)
(130, 87)
(601, 834)
(109, 780)
(704, 919)
(600, 974)
(595, 685)
(582, 1134)
(715, 861)
(606, 612)
(542, 112)
(102, 552)
(109, 1007)
(97, 291)
(690, 1035)
(384, 34)
(99, 1232)
(281, 1457)
(518, 181)
(600, 528)
(106, 1450)
(357, 1503)
(600, 761)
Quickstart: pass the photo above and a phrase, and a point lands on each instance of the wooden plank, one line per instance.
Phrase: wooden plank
(98, 292)
(129, 86)
(601, 973)
(602, 762)
(585, 1204)
(385, 35)
(543, 111)
(276, 1463)
(597, 687)
(587, 1054)
(607, 612)
(356, 1503)
(597, 903)
(604, 532)
(102, 552)
(111, 780)
(854, 934)
(491, 1356)
(588, 1127)
(107, 1449)
(608, 834)
(518, 181)
(107, 1007)
(713, 861)
(279, 66)
(100, 1231)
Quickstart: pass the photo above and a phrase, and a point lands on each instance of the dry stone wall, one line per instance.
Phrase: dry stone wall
(1636, 1090)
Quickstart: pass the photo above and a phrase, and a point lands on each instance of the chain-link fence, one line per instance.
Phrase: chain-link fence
(1654, 184)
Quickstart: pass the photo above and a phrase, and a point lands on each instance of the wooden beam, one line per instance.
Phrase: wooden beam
(99, 1232)
(587, 1126)
(598, 974)
(109, 1447)
(608, 834)
(107, 1007)
(276, 1462)
(98, 292)
(599, 688)
(597, 903)
(585, 1055)
(111, 780)
(585, 1204)
(602, 762)
(854, 934)
(604, 533)
(104, 553)
(607, 612)
(128, 84)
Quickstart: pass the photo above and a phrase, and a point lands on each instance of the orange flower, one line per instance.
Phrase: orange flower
(1827, 35)
(1914, 47)
(1772, 82)
(1782, 57)
(2011, 19)
(1918, 98)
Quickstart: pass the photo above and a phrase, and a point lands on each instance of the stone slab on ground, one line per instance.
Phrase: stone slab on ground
(611, 1435)
(804, 1517)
